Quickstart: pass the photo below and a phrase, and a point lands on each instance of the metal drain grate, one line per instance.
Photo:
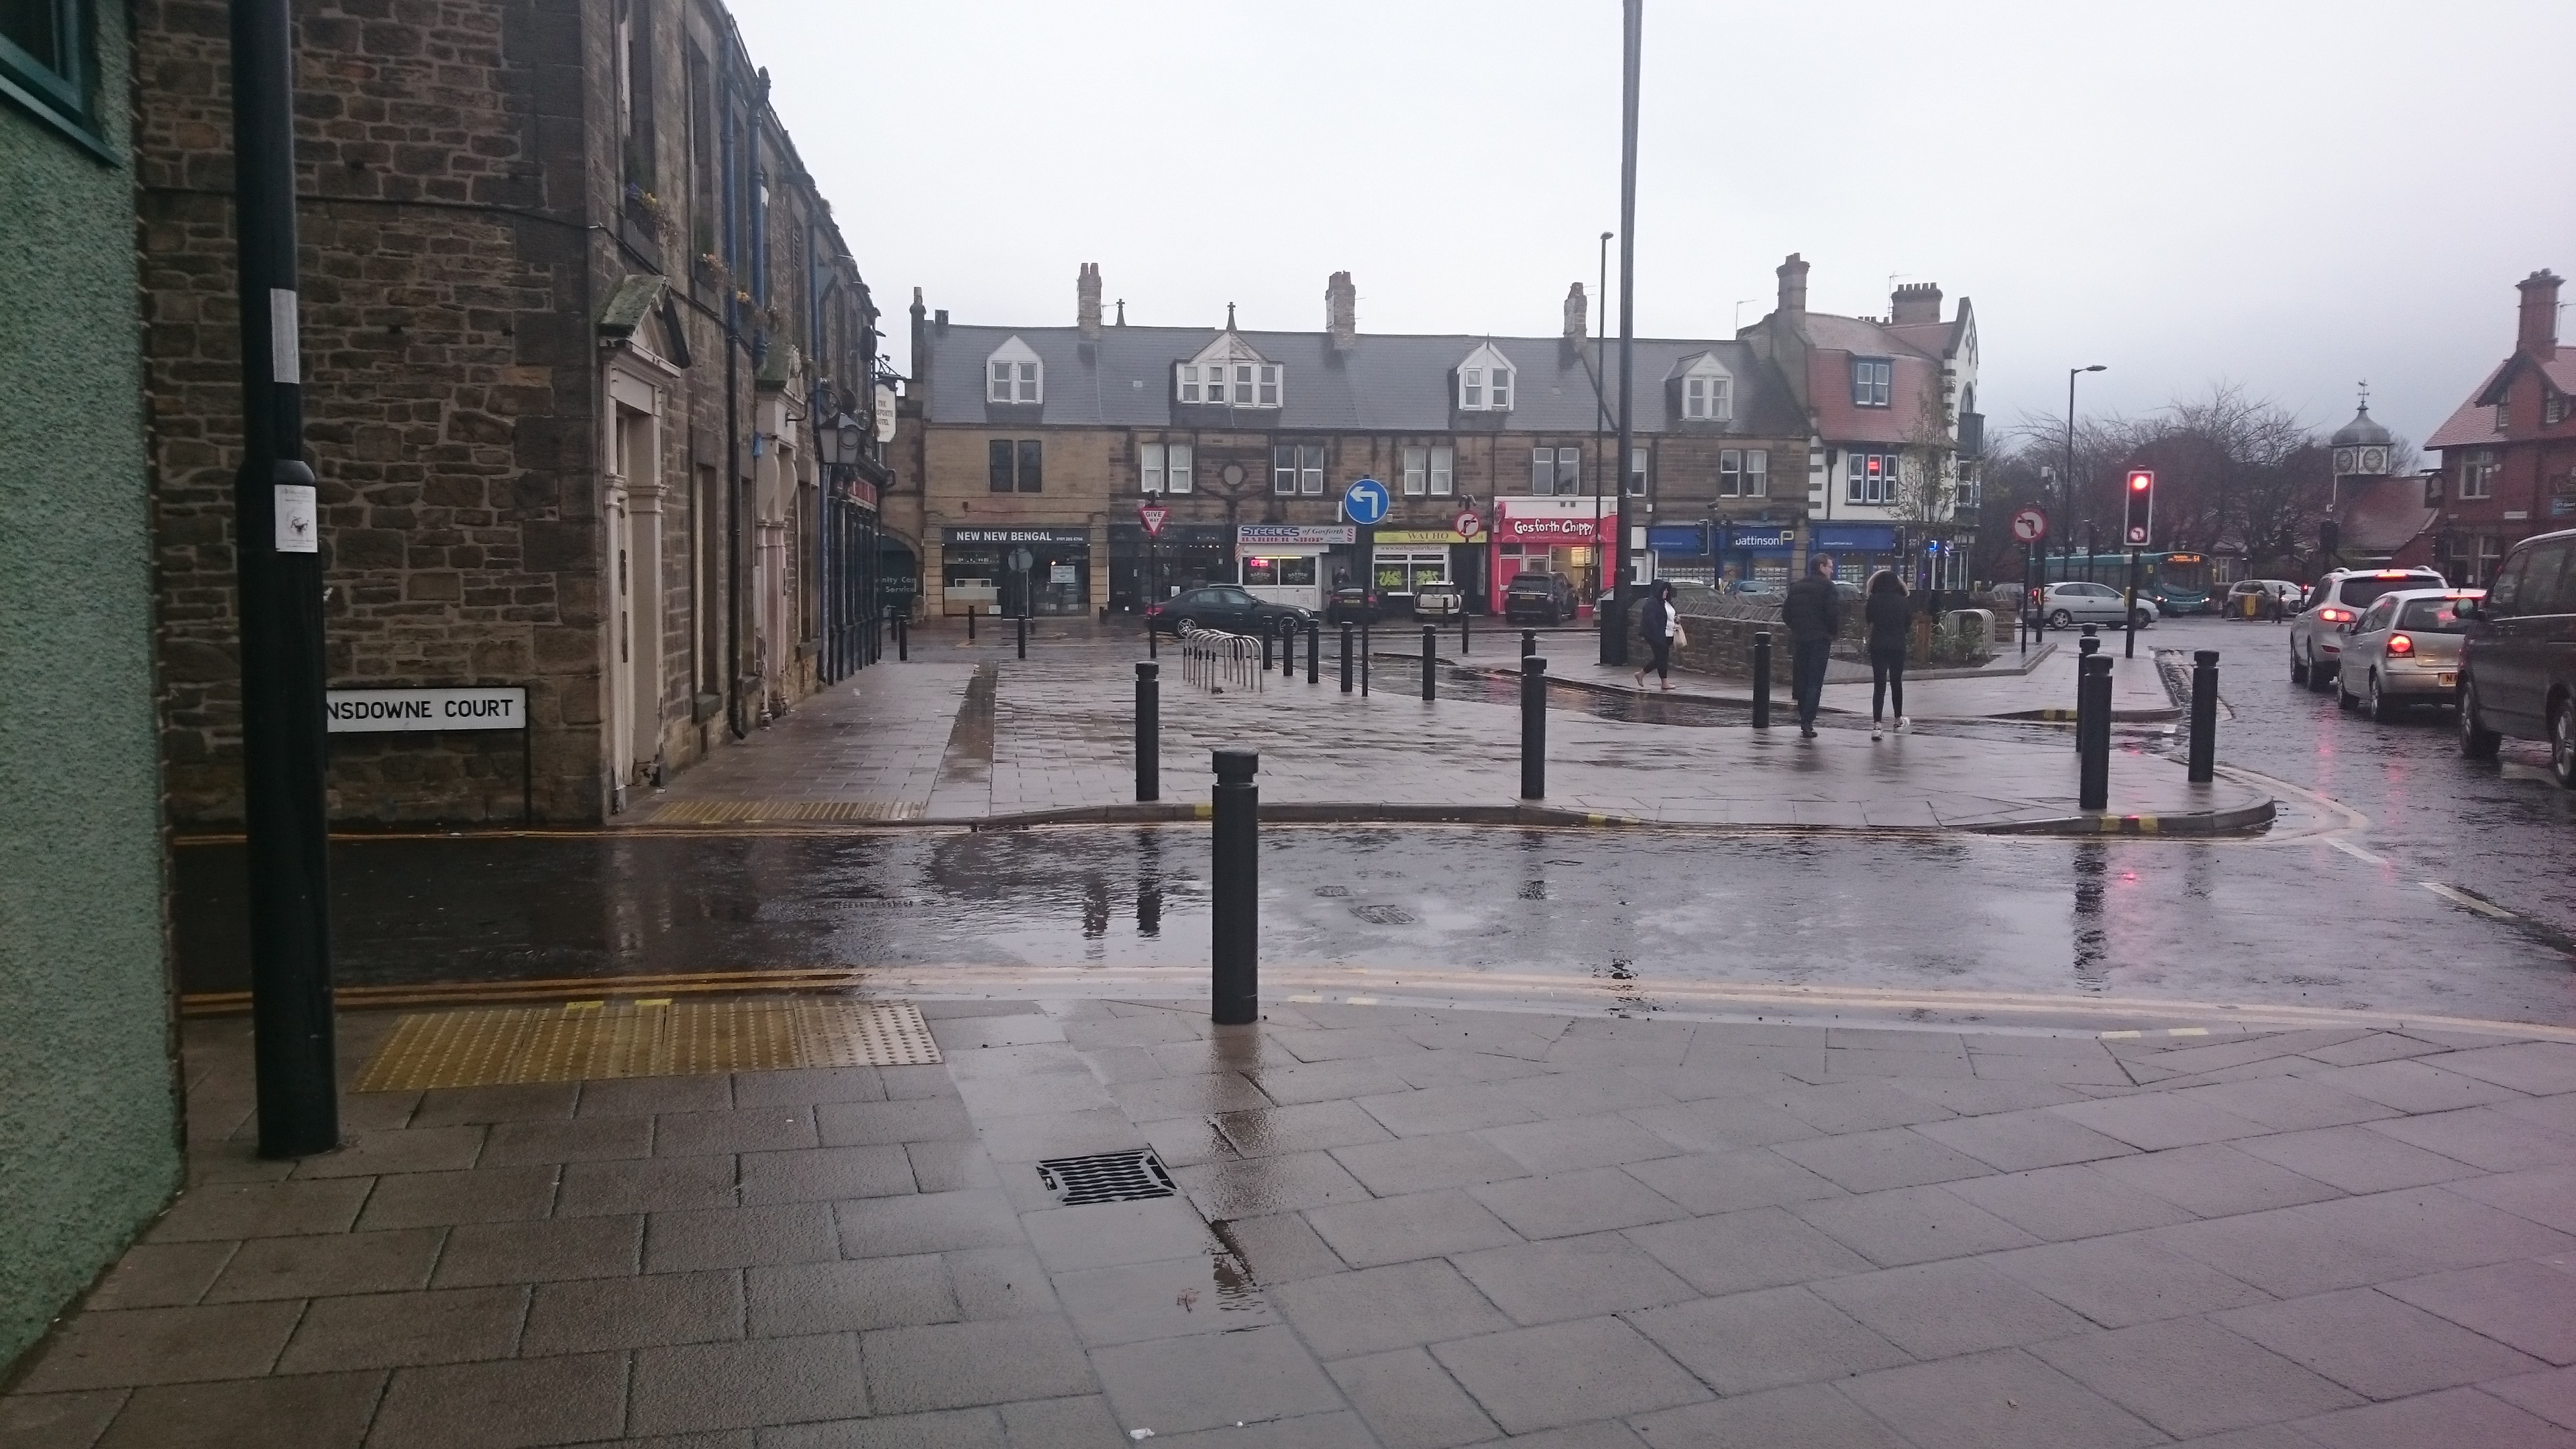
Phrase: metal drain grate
(600, 1040)
(756, 812)
(1106, 1177)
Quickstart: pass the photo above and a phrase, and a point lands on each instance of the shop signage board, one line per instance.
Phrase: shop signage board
(1420, 536)
(1863, 537)
(1760, 537)
(1689, 539)
(1293, 534)
(409, 711)
(1014, 535)
(1549, 528)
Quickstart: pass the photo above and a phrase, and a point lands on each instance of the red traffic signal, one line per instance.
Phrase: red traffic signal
(2141, 507)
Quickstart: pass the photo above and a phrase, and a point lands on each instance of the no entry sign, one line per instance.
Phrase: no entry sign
(2030, 525)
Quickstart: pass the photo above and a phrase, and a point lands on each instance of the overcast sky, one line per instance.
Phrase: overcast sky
(2290, 194)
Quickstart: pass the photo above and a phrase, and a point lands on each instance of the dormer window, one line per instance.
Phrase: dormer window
(1013, 374)
(1485, 381)
(1228, 373)
(1872, 381)
(1707, 391)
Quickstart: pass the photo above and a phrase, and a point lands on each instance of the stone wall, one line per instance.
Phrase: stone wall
(88, 1102)
(1724, 646)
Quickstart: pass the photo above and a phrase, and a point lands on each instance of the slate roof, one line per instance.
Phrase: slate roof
(2473, 423)
(1386, 383)
(2383, 515)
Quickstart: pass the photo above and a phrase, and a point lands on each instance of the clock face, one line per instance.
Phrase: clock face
(2374, 460)
(2343, 460)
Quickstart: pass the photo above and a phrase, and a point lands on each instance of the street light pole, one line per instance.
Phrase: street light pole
(277, 542)
(1614, 634)
(2067, 479)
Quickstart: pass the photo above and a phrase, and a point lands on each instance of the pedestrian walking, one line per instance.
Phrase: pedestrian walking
(1660, 622)
(1813, 612)
(1890, 615)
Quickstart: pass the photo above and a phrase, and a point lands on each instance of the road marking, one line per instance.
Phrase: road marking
(2122, 1035)
(2187, 1031)
(1309, 999)
(2460, 897)
(2357, 853)
(1359, 1001)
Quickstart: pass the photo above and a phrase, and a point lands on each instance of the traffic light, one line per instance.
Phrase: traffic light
(2141, 501)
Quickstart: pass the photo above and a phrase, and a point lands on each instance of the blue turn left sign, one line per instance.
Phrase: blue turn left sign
(1366, 501)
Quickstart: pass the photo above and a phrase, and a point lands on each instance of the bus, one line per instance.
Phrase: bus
(2180, 583)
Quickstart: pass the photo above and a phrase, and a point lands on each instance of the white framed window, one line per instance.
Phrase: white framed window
(1757, 472)
(1730, 473)
(1471, 389)
(1013, 374)
(1149, 467)
(1235, 384)
(1872, 380)
(1297, 469)
(1502, 389)
(1869, 478)
(1485, 381)
(1176, 477)
(1556, 471)
(1417, 472)
(2504, 415)
(1443, 467)
(2477, 473)
(1708, 397)
(1164, 467)
(1637, 472)
(2553, 409)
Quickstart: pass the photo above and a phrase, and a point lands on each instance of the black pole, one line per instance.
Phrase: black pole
(1346, 657)
(1266, 644)
(2029, 576)
(970, 623)
(2093, 735)
(1430, 661)
(1762, 679)
(1364, 658)
(1614, 632)
(1023, 622)
(1234, 896)
(1314, 652)
(1464, 643)
(1533, 727)
(2204, 716)
(277, 527)
(902, 638)
(1529, 642)
(1149, 732)
(2129, 648)
(2085, 649)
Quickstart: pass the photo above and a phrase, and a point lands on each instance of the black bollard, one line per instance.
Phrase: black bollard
(1430, 661)
(1314, 652)
(1153, 641)
(1533, 727)
(1149, 731)
(1023, 622)
(970, 623)
(902, 639)
(2204, 716)
(2085, 648)
(2093, 733)
(1267, 642)
(1463, 643)
(1364, 658)
(1762, 679)
(1234, 895)
(1529, 642)
(1346, 657)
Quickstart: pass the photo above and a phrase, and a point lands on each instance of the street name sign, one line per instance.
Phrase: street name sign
(1366, 501)
(403, 711)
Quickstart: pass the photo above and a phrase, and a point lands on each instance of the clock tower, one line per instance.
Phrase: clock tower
(2362, 446)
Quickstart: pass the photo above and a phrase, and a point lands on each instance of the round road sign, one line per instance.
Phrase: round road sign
(2030, 525)
(1365, 502)
(1468, 524)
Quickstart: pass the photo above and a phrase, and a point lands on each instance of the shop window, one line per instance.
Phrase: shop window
(1556, 471)
(1015, 466)
(1295, 572)
(1165, 467)
(46, 67)
(1297, 468)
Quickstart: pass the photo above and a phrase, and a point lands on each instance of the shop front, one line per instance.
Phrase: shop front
(1286, 563)
(1681, 552)
(1548, 536)
(1857, 549)
(1144, 568)
(1404, 559)
(1011, 571)
(1756, 553)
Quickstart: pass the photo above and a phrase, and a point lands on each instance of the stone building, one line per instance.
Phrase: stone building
(572, 309)
(89, 1148)
(1039, 445)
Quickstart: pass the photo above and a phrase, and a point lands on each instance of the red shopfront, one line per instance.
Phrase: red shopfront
(1549, 536)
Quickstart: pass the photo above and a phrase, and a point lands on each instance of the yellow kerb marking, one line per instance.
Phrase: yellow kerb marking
(653, 1001)
(589, 1041)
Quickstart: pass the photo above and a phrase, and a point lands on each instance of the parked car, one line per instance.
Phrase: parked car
(1352, 604)
(2518, 663)
(2316, 635)
(1223, 606)
(2063, 606)
(2286, 594)
(1538, 599)
(1438, 601)
(1758, 589)
(2405, 650)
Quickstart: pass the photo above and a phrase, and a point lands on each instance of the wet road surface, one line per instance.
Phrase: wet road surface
(2329, 910)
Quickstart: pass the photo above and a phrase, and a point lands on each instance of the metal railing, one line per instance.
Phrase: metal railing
(1213, 658)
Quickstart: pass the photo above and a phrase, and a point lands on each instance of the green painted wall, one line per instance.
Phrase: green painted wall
(87, 1104)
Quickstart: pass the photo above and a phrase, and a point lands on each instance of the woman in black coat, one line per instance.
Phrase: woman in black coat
(1660, 623)
(1891, 619)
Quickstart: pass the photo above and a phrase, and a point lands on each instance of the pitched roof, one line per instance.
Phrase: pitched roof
(1385, 383)
(2383, 515)
(1916, 380)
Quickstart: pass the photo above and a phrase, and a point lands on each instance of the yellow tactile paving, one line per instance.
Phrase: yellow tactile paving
(731, 812)
(593, 1041)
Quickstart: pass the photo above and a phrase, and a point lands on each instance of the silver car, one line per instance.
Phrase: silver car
(2317, 635)
(2404, 650)
(2064, 606)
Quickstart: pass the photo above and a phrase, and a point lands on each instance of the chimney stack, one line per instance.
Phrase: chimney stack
(1578, 314)
(1793, 286)
(1914, 302)
(2539, 331)
(1086, 302)
(1342, 311)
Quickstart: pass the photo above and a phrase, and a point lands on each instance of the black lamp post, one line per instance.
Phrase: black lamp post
(1614, 636)
(839, 442)
(2066, 480)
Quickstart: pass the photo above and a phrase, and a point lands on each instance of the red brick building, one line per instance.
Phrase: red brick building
(2508, 466)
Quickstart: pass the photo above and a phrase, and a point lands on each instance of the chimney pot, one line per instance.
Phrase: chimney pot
(1341, 311)
(1914, 302)
(1578, 316)
(1793, 285)
(1086, 302)
(939, 319)
(2538, 333)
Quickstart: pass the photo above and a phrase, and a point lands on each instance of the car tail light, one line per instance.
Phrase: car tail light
(2400, 645)
(1152, 609)
(2336, 616)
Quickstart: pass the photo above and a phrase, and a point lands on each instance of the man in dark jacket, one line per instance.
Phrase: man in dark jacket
(1813, 612)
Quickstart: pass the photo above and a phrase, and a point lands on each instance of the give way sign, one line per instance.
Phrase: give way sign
(1153, 517)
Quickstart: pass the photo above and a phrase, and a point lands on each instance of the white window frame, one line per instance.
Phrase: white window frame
(1149, 467)
(1640, 462)
(2477, 474)
(1417, 472)
(1270, 391)
(1471, 389)
(1230, 384)
(1499, 399)
(1484, 381)
(1708, 397)
(1730, 473)
(1555, 483)
(1757, 472)
(1858, 487)
(1873, 382)
(1444, 461)
(1013, 373)
(1176, 472)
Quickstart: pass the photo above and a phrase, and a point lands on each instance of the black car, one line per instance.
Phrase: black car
(1224, 606)
(1538, 599)
(1352, 604)
(2518, 663)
